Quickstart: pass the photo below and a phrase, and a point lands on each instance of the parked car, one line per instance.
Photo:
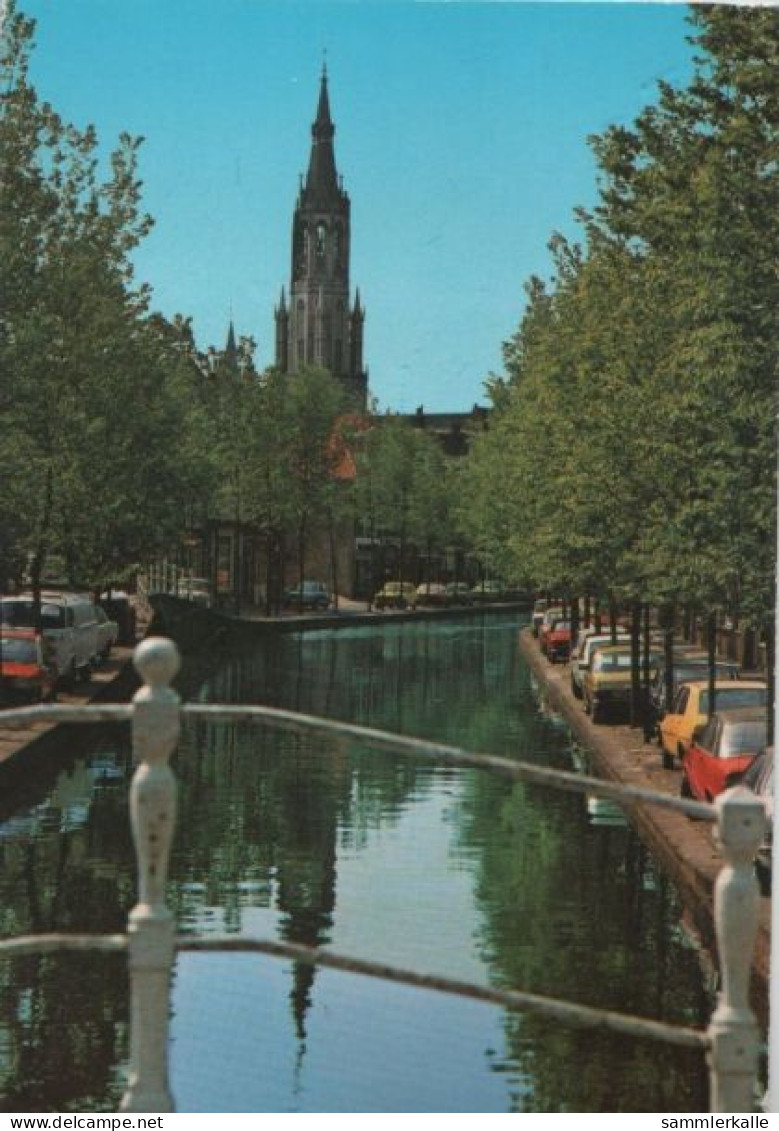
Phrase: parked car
(553, 613)
(459, 593)
(557, 642)
(685, 669)
(107, 633)
(584, 652)
(308, 595)
(26, 669)
(69, 625)
(197, 590)
(608, 681)
(487, 591)
(119, 608)
(690, 709)
(395, 595)
(760, 779)
(540, 605)
(721, 750)
(430, 593)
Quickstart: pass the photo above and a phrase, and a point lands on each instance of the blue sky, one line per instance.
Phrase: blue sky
(460, 134)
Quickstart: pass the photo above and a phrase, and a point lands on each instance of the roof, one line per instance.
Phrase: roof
(742, 714)
(724, 684)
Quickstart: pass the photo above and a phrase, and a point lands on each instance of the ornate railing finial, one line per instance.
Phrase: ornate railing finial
(156, 726)
(733, 1030)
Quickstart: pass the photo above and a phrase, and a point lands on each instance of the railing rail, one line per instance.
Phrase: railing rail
(730, 1041)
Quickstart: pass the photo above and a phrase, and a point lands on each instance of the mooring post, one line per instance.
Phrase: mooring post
(156, 725)
(733, 1031)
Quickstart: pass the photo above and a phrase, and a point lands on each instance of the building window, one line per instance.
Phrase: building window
(321, 239)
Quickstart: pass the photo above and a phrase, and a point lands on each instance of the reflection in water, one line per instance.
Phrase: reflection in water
(379, 856)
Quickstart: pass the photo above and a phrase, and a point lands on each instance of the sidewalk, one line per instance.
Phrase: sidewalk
(685, 848)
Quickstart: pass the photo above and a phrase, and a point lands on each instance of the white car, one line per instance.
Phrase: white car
(582, 657)
(107, 632)
(197, 590)
(69, 623)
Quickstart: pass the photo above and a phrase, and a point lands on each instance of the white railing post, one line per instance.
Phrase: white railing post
(156, 725)
(733, 1030)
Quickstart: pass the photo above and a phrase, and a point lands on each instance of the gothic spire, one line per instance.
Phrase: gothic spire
(322, 181)
(231, 349)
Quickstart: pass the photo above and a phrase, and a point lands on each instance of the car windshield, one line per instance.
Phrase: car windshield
(743, 738)
(18, 651)
(611, 662)
(19, 614)
(727, 697)
(561, 626)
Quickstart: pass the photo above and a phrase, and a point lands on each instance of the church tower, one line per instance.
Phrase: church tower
(317, 325)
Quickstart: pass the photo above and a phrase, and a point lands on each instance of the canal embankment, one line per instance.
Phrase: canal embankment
(193, 626)
(685, 848)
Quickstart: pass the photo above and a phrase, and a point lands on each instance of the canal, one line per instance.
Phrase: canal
(440, 870)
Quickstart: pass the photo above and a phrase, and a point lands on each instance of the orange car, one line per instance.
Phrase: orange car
(25, 670)
(690, 709)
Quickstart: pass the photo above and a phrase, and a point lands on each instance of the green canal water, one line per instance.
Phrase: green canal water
(445, 871)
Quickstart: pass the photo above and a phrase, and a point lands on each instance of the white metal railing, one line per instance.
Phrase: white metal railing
(731, 1040)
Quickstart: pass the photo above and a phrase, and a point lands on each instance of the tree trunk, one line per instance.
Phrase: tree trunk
(574, 623)
(333, 556)
(635, 663)
(301, 561)
(647, 673)
(613, 618)
(711, 649)
(770, 675)
(668, 654)
(268, 573)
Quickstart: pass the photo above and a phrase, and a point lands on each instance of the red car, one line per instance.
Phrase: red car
(25, 670)
(557, 642)
(547, 624)
(721, 751)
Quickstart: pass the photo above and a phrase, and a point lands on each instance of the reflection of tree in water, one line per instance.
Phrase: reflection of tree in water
(263, 816)
(552, 926)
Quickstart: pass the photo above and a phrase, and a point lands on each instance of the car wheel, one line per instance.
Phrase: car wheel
(86, 673)
(70, 679)
(550, 658)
